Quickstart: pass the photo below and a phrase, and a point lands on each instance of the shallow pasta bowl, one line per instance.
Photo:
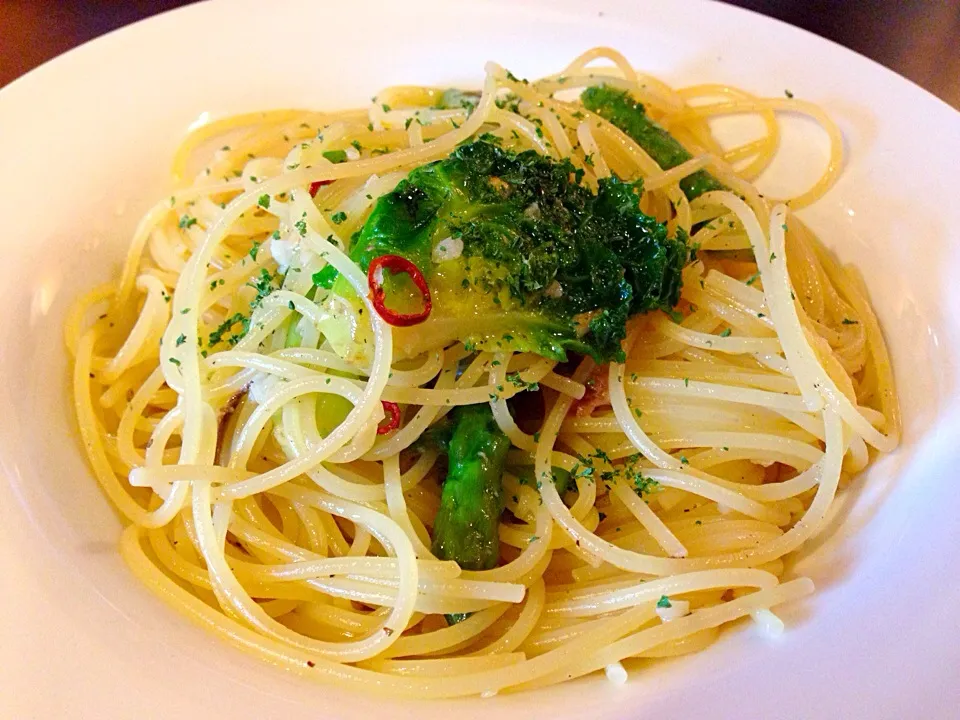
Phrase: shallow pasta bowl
(84, 145)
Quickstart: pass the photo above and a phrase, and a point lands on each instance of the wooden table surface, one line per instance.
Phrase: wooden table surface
(917, 38)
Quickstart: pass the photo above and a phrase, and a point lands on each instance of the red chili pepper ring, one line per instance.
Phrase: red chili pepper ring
(393, 417)
(397, 264)
(314, 186)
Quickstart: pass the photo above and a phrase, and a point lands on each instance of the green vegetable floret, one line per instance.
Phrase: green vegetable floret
(620, 109)
(520, 255)
(466, 525)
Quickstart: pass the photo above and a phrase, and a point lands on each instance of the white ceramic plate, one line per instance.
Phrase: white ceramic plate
(84, 146)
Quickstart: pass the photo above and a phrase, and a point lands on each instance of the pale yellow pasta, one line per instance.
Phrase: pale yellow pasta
(698, 464)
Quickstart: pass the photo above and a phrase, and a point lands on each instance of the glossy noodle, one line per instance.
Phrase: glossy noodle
(266, 424)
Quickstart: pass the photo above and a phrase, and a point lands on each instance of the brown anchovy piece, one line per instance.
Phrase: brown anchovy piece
(223, 417)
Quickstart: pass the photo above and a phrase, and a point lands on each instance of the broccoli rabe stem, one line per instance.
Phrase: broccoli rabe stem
(630, 116)
(331, 409)
(466, 526)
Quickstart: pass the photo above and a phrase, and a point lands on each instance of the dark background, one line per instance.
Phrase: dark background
(918, 38)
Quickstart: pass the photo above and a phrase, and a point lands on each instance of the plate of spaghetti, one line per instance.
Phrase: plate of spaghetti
(602, 368)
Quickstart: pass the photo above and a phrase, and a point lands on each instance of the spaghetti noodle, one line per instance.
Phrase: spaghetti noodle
(699, 461)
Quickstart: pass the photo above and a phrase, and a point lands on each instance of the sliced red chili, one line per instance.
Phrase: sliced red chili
(397, 264)
(314, 186)
(393, 417)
